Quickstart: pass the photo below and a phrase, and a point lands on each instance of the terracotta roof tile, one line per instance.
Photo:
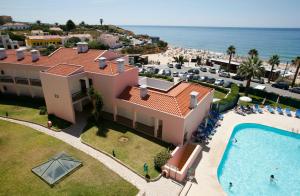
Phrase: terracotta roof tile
(70, 56)
(175, 102)
(64, 69)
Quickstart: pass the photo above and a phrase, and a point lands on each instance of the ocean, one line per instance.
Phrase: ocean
(268, 41)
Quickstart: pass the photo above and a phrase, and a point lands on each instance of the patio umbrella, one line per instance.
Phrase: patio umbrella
(245, 99)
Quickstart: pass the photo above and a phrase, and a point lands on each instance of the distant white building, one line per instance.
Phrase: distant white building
(14, 26)
(110, 40)
(7, 43)
(39, 33)
(55, 29)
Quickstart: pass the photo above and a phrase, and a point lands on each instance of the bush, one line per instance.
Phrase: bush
(151, 75)
(161, 159)
(230, 101)
(43, 110)
(218, 88)
(58, 122)
(97, 45)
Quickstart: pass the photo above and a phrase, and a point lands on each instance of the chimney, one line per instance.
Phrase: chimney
(35, 55)
(143, 91)
(193, 99)
(20, 54)
(120, 65)
(82, 47)
(102, 62)
(2, 53)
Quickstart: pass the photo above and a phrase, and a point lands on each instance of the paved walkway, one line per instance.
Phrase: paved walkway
(206, 172)
(161, 187)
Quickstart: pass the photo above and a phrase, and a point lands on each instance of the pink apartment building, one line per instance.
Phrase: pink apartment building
(170, 113)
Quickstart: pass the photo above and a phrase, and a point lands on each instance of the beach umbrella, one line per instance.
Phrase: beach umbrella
(245, 99)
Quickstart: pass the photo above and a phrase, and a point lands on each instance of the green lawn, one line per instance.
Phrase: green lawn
(24, 108)
(22, 148)
(135, 152)
(219, 94)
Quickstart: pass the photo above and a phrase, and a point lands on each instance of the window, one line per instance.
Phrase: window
(90, 82)
(2, 72)
(4, 88)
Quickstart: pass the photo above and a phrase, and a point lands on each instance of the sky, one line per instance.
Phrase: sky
(220, 13)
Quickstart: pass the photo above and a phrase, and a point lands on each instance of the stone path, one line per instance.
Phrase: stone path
(161, 187)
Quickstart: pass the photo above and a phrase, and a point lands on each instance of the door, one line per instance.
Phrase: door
(159, 131)
(82, 86)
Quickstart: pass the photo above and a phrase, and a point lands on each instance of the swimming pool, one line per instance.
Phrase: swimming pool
(260, 151)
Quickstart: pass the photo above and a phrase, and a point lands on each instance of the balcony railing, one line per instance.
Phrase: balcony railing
(79, 95)
(20, 80)
(6, 79)
(35, 82)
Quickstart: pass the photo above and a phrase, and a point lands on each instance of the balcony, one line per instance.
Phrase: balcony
(79, 95)
(20, 80)
(6, 79)
(35, 82)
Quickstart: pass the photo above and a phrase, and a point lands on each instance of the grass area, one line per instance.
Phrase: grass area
(135, 152)
(24, 108)
(22, 148)
(219, 94)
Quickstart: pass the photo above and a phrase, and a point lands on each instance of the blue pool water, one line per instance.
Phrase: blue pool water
(259, 152)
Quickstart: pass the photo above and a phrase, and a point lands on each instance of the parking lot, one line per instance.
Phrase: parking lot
(268, 88)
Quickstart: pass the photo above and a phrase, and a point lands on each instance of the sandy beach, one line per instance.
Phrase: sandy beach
(167, 57)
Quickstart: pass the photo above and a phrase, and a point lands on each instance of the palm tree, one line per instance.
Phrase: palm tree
(253, 52)
(231, 53)
(274, 60)
(250, 68)
(56, 24)
(198, 60)
(296, 63)
(179, 60)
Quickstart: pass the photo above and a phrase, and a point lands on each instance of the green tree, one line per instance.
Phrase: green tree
(180, 60)
(97, 45)
(98, 104)
(231, 52)
(82, 23)
(253, 52)
(198, 60)
(296, 63)
(70, 43)
(70, 25)
(273, 61)
(38, 22)
(250, 68)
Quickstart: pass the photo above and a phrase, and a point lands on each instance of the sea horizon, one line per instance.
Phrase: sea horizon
(268, 41)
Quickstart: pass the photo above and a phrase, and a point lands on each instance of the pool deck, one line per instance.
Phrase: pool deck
(206, 179)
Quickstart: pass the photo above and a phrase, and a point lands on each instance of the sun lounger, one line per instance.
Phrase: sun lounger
(258, 109)
(279, 110)
(288, 112)
(270, 109)
(297, 113)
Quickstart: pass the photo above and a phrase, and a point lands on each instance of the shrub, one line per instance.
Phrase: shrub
(151, 75)
(218, 88)
(161, 159)
(43, 110)
(230, 101)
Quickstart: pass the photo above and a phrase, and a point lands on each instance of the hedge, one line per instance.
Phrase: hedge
(289, 101)
(151, 75)
(218, 88)
(229, 101)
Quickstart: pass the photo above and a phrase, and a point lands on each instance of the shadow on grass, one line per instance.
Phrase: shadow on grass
(106, 125)
(23, 101)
